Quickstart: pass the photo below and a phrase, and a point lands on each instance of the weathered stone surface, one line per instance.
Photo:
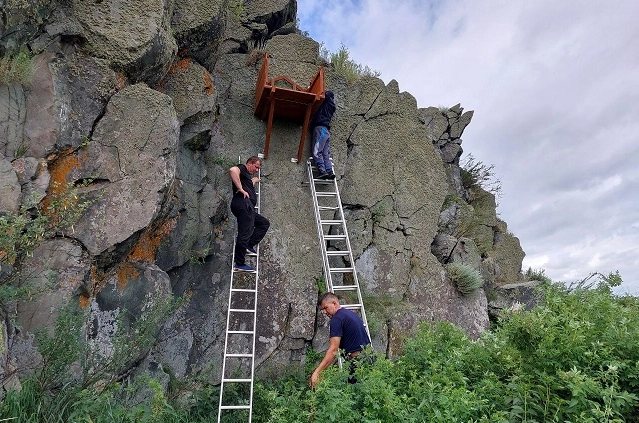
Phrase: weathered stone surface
(509, 255)
(515, 296)
(9, 188)
(139, 44)
(195, 24)
(138, 134)
(42, 125)
(191, 88)
(60, 269)
(83, 86)
(133, 295)
(12, 115)
(457, 127)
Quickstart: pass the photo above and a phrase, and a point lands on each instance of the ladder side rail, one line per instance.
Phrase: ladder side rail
(257, 277)
(328, 279)
(229, 310)
(350, 256)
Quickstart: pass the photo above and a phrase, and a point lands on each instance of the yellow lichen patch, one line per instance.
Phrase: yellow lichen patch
(126, 272)
(150, 240)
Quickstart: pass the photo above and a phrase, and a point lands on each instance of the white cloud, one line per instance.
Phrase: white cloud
(555, 90)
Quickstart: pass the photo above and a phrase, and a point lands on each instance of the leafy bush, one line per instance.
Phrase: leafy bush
(537, 275)
(346, 67)
(22, 232)
(573, 358)
(465, 277)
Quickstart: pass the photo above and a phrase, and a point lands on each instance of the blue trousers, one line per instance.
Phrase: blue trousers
(321, 149)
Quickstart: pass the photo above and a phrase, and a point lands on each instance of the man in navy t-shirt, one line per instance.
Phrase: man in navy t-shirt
(347, 332)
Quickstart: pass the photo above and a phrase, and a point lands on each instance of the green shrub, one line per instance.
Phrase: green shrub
(346, 67)
(475, 173)
(465, 277)
(16, 68)
(537, 275)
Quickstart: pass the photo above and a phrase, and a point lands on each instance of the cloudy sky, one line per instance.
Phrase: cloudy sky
(555, 90)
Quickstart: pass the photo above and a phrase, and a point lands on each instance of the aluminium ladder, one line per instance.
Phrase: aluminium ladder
(238, 365)
(337, 256)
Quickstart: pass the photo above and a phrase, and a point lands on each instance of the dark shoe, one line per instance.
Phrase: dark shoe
(331, 175)
(325, 175)
(251, 251)
(243, 268)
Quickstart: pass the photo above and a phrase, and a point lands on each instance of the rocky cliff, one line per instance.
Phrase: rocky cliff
(143, 105)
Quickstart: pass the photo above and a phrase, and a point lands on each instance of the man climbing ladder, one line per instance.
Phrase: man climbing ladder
(251, 226)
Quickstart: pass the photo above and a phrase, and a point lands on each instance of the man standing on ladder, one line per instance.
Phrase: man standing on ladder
(321, 125)
(347, 332)
(251, 226)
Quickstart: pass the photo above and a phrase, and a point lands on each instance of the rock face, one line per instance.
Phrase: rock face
(146, 135)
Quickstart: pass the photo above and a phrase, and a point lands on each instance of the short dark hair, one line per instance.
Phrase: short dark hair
(327, 296)
(253, 159)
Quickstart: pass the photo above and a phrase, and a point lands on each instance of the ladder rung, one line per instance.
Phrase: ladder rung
(326, 194)
(352, 306)
(331, 222)
(242, 290)
(243, 271)
(323, 181)
(338, 253)
(241, 310)
(340, 269)
(235, 407)
(336, 237)
(345, 288)
(237, 380)
(240, 355)
(241, 332)
(327, 208)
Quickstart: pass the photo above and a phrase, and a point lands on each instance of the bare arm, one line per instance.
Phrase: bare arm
(328, 359)
(235, 177)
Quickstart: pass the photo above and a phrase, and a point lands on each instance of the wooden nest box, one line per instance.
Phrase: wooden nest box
(281, 97)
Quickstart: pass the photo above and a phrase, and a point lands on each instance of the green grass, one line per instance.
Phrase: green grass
(16, 68)
(465, 277)
(345, 66)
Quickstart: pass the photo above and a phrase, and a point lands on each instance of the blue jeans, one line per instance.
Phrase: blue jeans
(321, 149)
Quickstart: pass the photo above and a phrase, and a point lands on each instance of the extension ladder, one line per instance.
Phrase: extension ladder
(337, 256)
(238, 365)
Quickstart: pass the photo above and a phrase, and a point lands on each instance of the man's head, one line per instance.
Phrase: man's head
(329, 94)
(253, 164)
(328, 303)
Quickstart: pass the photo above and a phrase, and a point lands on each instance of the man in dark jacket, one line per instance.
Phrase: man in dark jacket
(321, 125)
(251, 226)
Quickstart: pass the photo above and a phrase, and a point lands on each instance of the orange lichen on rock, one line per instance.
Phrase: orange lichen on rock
(84, 300)
(208, 82)
(121, 81)
(180, 64)
(61, 167)
(126, 272)
(150, 240)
